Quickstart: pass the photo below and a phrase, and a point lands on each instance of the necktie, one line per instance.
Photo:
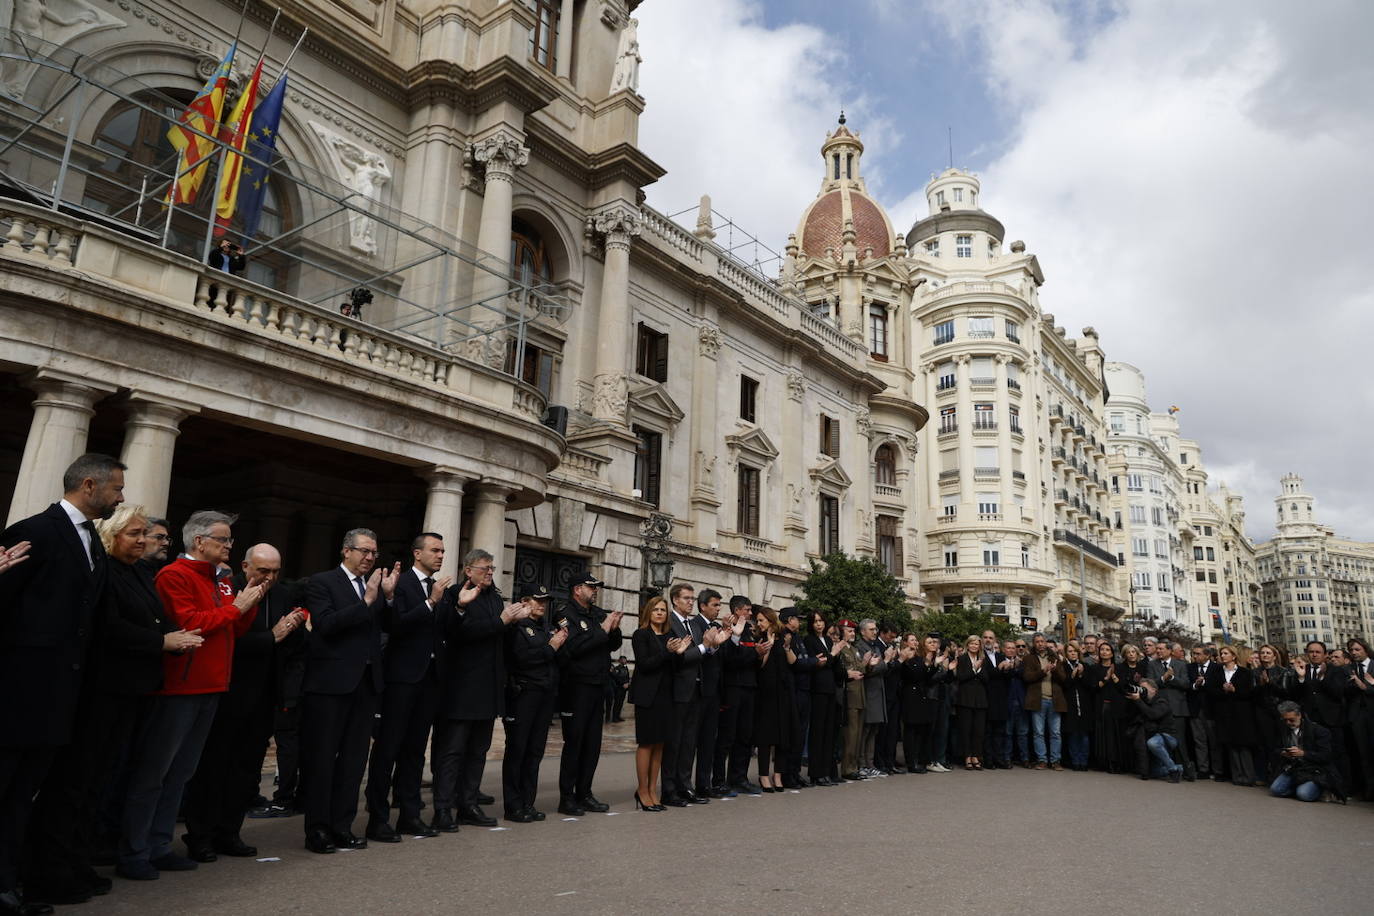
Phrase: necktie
(97, 551)
(358, 584)
(429, 586)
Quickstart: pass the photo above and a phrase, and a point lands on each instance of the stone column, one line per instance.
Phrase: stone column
(444, 515)
(963, 380)
(500, 154)
(1003, 403)
(489, 527)
(57, 436)
(618, 223)
(150, 435)
(932, 476)
(797, 490)
(706, 446)
(562, 54)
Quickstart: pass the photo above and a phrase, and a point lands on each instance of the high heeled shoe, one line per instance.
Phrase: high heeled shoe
(640, 806)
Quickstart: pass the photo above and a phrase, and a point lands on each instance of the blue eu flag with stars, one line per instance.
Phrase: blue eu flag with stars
(261, 146)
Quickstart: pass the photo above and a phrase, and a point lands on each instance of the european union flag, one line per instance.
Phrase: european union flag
(261, 145)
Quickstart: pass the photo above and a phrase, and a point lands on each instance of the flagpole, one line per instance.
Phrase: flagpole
(299, 42)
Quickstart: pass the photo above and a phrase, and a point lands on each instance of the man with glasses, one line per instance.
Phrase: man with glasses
(1018, 720)
(474, 693)
(343, 680)
(593, 634)
(159, 542)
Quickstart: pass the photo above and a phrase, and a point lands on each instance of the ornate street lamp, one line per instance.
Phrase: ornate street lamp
(657, 531)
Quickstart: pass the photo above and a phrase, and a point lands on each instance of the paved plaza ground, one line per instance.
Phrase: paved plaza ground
(991, 842)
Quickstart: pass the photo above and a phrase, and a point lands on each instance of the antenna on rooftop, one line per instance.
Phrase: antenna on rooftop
(951, 146)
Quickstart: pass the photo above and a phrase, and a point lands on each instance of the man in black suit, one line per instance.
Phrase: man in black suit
(413, 667)
(708, 609)
(735, 728)
(474, 693)
(230, 768)
(680, 750)
(1171, 674)
(343, 680)
(803, 670)
(1206, 751)
(47, 603)
(593, 634)
(1321, 693)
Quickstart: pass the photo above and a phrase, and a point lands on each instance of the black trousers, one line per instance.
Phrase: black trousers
(680, 748)
(528, 714)
(22, 771)
(229, 773)
(458, 758)
(618, 710)
(740, 746)
(335, 729)
(825, 717)
(581, 717)
(793, 764)
(286, 732)
(972, 725)
(885, 753)
(398, 754)
(707, 727)
(916, 743)
(61, 829)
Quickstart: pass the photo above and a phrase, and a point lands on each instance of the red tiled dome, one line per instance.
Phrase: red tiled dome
(824, 225)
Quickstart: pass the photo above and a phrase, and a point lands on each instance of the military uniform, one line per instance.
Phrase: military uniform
(531, 688)
(583, 663)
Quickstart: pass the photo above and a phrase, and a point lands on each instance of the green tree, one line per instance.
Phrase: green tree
(962, 622)
(855, 587)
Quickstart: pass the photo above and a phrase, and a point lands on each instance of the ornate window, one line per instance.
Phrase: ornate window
(544, 35)
(885, 465)
(529, 258)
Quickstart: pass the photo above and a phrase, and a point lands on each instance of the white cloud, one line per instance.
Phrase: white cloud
(1194, 179)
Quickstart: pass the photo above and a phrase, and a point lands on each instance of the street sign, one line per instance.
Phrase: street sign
(1029, 623)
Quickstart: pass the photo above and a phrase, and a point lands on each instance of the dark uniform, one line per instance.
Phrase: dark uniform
(584, 661)
(531, 688)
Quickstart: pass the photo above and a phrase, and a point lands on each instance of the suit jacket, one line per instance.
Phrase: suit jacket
(416, 637)
(1324, 698)
(973, 685)
(259, 660)
(1199, 702)
(475, 685)
(875, 682)
(1318, 763)
(713, 663)
(585, 657)
(855, 696)
(687, 672)
(999, 687)
(740, 663)
(1038, 677)
(1175, 689)
(653, 664)
(830, 678)
(126, 658)
(345, 635)
(805, 667)
(47, 608)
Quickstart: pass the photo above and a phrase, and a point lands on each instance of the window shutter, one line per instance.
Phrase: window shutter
(754, 501)
(897, 560)
(834, 450)
(654, 448)
(661, 358)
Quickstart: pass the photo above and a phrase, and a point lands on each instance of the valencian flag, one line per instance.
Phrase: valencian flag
(202, 115)
(236, 133)
(262, 145)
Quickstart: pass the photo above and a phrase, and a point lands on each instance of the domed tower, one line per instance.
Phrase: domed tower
(955, 216)
(844, 223)
(1295, 515)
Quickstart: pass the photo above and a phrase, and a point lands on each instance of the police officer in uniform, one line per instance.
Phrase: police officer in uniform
(592, 635)
(531, 688)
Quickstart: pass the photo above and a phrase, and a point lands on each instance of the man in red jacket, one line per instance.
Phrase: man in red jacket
(167, 747)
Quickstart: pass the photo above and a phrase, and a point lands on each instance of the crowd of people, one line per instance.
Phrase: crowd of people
(143, 689)
(850, 701)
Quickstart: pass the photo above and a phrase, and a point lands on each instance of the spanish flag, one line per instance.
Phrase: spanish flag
(236, 135)
(201, 115)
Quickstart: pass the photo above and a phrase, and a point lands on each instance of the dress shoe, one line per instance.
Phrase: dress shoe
(1175, 776)
(11, 904)
(236, 848)
(571, 808)
(382, 833)
(173, 862)
(536, 813)
(485, 799)
(475, 817)
(97, 884)
(920, 770)
(719, 791)
(319, 841)
(200, 852)
(349, 840)
(271, 809)
(675, 801)
(444, 822)
(695, 799)
(594, 804)
(746, 787)
(416, 828)
(136, 871)
(55, 896)
(522, 816)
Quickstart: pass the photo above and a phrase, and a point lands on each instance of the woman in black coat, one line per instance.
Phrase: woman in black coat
(1109, 702)
(651, 694)
(971, 674)
(923, 678)
(1230, 686)
(131, 634)
(827, 688)
(775, 705)
(1274, 682)
(1076, 722)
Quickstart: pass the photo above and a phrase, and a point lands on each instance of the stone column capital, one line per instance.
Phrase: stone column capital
(618, 223)
(155, 410)
(500, 154)
(59, 389)
(488, 491)
(443, 479)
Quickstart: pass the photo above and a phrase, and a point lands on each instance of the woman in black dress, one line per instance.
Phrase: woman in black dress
(1076, 722)
(923, 675)
(1274, 683)
(827, 690)
(775, 713)
(971, 673)
(1109, 701)
(651, 693)
(1131, 670)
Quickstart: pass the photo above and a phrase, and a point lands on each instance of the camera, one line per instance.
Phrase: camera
(357, 298)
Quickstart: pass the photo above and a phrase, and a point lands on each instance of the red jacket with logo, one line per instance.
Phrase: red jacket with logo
(195, 600)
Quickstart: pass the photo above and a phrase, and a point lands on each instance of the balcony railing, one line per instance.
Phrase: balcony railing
(943, 338)
(981, 425)
(947, 428)
(1018, 475)
(1058, 452)
(1013, 384)
(1016, 428)
(951, 474)
(983, 381)
(1088, 547)
(946, 382)
(987, 472)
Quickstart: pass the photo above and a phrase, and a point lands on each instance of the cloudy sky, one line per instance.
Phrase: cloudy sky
(1195, 178)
